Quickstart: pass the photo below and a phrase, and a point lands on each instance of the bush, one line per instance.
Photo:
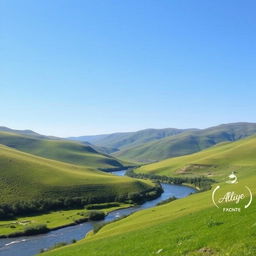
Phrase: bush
(35, 229)
(96, 215)
(101, 206)
(135, 197)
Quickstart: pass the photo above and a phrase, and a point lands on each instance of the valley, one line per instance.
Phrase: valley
(47, 183)
(189, 226)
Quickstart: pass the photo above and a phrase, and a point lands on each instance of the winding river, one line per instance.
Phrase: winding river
(31, 245)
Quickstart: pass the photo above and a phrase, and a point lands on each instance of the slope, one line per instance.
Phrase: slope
(28, 177)
(187, 142)
(214, 162)
(62, 150)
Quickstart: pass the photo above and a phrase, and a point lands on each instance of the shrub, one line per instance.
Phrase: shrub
(135, 197)
(96, 215)
(35, 229)
(101, 206)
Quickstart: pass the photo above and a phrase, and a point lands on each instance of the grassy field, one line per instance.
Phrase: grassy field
(52, 220)
(190, 226)
(26, 177)
(187, 142)
(61, 150)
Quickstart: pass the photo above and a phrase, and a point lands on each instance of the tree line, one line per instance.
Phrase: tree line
(40, 205)
(203, 183)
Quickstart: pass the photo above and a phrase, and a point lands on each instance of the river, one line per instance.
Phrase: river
(31, 245)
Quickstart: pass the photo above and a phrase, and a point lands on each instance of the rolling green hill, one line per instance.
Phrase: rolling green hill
(187, 142)
(29, 177)
(124, 140)
(214, 162)
(62, 150)
(191, 226)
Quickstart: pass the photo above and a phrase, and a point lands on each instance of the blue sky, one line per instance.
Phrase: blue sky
(88, 67)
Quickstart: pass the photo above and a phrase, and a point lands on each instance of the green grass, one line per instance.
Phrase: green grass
(61, 150)
(186, 142)
(26, 177)
(191, 226)
(52, 220)
(216, 162)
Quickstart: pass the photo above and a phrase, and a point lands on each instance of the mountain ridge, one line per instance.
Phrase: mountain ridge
(187, 142)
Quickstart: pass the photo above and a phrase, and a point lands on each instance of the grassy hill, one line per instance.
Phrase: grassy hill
(29, 177)
(187, 142)
(62, 150)
(191, 226)
(124, 140)
(214, 162)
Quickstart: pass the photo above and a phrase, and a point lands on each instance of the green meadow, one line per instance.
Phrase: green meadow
(190, 226)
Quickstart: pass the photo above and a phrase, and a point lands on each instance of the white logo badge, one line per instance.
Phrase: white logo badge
(232, 197)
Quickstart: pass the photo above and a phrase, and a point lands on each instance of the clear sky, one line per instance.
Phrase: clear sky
(88, 67)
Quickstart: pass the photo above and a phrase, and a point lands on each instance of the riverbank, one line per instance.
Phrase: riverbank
(53, 221)
(199, 183)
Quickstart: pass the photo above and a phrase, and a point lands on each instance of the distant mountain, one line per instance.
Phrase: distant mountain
(90, 138)
(187, 142)
(119, 141)
(26, 132)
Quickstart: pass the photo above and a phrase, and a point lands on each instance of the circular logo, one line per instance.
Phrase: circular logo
(232, 201)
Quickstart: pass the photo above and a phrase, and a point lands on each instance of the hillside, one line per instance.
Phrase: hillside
(214, 162)
(26, 177)
(124, 140)
(187, 142)
(191, 226)
(62, 150)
